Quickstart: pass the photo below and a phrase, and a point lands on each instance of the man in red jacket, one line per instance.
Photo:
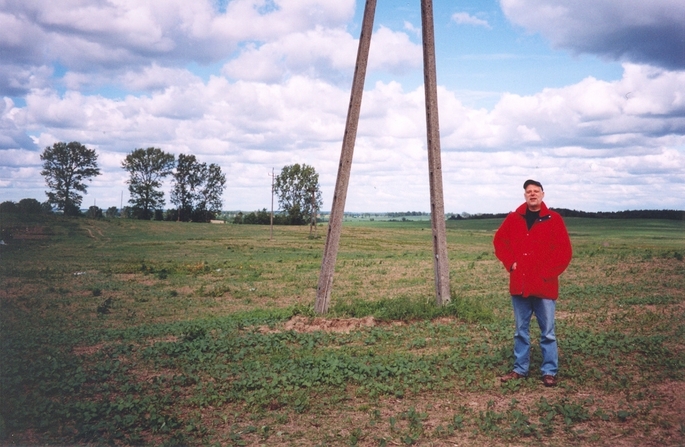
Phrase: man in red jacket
(534, 247)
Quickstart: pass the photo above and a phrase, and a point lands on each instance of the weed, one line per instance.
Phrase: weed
(648, 300)
(106, 306)
(355, 437)
(412, 309)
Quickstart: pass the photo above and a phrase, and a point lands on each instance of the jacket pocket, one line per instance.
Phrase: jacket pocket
(516, 282)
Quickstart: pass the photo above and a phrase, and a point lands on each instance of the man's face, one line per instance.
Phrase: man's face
(534, 196)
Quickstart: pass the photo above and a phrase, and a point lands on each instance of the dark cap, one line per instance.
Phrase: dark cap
(533, 182)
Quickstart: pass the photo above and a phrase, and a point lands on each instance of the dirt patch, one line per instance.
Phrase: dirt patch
(87, 350)
(29, 233)
(341, 325)
(390, 419)
(672, 393)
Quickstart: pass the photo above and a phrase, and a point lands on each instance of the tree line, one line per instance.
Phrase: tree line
(628, 214)
(564, 212)
(197, 188)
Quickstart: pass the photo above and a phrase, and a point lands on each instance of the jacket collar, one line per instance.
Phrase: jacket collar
(544, 211)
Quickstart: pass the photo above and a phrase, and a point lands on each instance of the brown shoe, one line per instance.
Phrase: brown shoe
(511, 376)
(549, 380)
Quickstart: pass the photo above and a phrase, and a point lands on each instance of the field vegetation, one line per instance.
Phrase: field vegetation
(127, 332)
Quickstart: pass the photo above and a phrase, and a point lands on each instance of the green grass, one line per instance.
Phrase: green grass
(164, 333)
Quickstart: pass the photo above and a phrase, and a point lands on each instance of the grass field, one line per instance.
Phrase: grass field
(123, 332)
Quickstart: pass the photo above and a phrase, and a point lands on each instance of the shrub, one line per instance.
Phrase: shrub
(30, 206)
(8, 207)
(94, 212)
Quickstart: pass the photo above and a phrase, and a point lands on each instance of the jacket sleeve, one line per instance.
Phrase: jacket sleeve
(561, 250)
(502, 242)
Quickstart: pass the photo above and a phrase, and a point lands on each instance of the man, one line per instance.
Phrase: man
(534, 247)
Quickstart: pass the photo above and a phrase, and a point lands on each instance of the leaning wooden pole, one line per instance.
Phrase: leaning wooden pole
(323, 291)
(440, 259)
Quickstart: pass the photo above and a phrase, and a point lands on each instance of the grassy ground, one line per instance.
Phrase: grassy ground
(158, 333)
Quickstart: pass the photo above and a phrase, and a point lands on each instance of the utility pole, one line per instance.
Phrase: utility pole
(323, 291)
(440, 259)
(312, 218)
(271, 236)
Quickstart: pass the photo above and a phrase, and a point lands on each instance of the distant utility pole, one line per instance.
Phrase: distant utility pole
(315, 210)
(440, 261)
(271, 236)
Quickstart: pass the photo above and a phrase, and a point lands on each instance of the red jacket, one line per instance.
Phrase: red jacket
(541, 254)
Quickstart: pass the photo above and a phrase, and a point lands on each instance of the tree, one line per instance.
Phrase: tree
(112, 211)
(30, 206)
(197, 189)
(209, 196)
(261, 217)
(299, 195)
(8, 207)
(147, 168)
(94, 212)
(186, 183)
(66, 167)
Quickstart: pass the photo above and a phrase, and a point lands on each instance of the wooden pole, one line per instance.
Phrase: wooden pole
(271, 234)
(323, 291)
(440, 259)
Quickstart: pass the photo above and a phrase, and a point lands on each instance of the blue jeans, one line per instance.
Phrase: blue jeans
(544, 313)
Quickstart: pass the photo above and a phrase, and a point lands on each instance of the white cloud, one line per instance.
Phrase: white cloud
(393, 52)
(11, 133)
(88, 36)
(561, 136)
(631, 30)
(644, 110)
(412, 29)
(156, 77)
(464, 18)
(320, 52)
(283, 95)
(323, 53)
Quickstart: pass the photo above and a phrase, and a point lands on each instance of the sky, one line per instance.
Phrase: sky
(585, 96)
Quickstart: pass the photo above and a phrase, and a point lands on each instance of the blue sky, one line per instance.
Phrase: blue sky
(481, 51)
(586, 96)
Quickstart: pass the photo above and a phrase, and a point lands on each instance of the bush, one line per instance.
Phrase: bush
(25, 206)
(263, 217)
(8, 207)
(30, 206)
(126, 212)
(171, 215)
(94, 212)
